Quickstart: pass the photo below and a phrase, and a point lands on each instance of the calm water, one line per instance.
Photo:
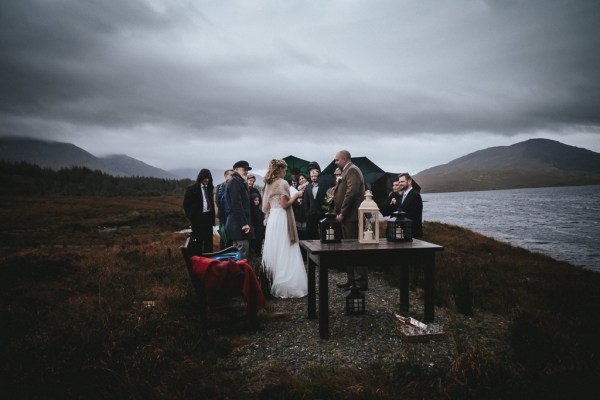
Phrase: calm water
(562, 222)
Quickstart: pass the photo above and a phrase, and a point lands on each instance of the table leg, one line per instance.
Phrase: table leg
(323, 301)
(429, 294)
(312, 302)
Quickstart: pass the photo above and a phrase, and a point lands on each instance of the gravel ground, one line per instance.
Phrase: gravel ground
(287, 337)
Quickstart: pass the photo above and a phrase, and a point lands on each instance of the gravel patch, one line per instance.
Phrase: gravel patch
(287, 337)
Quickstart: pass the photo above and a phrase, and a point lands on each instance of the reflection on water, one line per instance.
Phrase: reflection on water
(562, 222)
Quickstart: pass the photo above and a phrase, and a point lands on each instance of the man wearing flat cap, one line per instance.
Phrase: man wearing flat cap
(239, 226)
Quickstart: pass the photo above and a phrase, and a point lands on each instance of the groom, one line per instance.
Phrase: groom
(238, 226)
(349, 194)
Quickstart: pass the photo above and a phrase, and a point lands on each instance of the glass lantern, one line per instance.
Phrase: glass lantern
(368, 220)
(399, 228)
(355, 301)
(330, 229)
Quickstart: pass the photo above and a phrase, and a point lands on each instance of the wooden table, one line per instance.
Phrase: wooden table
(350, 253)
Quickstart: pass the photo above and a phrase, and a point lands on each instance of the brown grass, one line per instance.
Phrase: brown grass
(89, 312)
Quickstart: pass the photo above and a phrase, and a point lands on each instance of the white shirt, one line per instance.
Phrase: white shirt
(204, 199)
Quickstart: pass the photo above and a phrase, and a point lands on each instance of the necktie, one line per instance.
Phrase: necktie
(205, 203)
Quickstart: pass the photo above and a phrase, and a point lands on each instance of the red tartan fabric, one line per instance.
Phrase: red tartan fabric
(224, 279)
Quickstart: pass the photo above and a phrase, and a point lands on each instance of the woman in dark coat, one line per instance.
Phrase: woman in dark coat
(199, 207)
(258, 217)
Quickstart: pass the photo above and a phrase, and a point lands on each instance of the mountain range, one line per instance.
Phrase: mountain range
(57, 155)
(532, 163)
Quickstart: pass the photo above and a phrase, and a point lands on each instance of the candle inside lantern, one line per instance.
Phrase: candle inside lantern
(329, 233)
(399, 232)
(368, 235)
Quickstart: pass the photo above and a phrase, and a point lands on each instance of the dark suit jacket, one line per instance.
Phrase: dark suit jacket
(413, 207)
(313, 207)
(350, 193)
(240, 213)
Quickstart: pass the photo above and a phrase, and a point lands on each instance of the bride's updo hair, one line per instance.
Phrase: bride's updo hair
(275, 167)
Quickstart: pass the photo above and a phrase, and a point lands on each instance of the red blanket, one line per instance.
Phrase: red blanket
(224, 279)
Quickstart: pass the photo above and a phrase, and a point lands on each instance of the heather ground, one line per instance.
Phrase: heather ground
(95, 303)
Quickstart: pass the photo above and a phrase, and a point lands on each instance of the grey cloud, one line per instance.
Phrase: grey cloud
(331, 69)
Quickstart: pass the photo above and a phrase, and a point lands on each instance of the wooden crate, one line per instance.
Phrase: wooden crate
(412, 330)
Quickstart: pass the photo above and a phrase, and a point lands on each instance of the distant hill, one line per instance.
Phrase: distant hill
(532, 163)
(132, 167)
(57, 155)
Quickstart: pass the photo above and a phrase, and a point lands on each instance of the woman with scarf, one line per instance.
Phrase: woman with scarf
(282, 259)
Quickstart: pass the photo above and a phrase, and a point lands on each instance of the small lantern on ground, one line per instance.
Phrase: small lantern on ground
(330, 229)
(399, 228)
(355, 301)
(368, 220)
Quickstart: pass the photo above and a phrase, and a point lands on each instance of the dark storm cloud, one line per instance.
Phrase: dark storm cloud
(87, 69)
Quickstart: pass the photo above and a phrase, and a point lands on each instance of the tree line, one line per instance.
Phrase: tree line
(23, 178)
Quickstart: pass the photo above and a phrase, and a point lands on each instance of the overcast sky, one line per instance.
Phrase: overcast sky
(192, 84)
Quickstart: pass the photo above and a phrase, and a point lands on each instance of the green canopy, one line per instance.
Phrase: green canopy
(294, 162)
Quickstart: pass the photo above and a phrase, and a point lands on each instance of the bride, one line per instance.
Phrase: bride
(282, 259)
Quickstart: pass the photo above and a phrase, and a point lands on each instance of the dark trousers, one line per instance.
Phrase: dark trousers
(312, 227)
(202, 233)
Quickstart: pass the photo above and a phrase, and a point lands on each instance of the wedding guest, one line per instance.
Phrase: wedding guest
(393, 200)
(239, 222)
(223, 207)
(282, 259)
(294, 180)
(350, 192)
(298, 207)
(302, 182)
(258, 222)
(199, 207)
(412, 204)
(314, 204)
(251, 188)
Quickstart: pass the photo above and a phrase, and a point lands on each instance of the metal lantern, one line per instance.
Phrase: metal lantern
(368, 220)
(355, 301)
(330, 229)
(399, 228)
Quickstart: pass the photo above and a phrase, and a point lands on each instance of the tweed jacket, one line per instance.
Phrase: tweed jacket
(350, 193)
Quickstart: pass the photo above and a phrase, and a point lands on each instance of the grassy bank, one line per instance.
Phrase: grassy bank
(95, 303)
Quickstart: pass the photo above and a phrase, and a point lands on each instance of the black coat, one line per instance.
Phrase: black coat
(240, 214)
(413, 207)
(193, 205)
(389, 208)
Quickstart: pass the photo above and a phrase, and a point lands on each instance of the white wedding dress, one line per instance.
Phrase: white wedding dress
(282, 260)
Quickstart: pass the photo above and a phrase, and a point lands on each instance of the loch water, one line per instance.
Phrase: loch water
(561, 222)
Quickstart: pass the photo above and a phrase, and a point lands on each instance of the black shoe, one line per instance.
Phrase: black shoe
(345, 285)
(362, 284)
